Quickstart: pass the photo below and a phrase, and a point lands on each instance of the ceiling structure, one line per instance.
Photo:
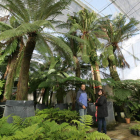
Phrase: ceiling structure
(131, 8)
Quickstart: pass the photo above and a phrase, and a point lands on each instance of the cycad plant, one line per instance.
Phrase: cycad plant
(87, 24)
(73, 41)
(35, 18)
(117, 30)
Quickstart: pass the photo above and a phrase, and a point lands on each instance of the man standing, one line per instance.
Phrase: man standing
(82, 100)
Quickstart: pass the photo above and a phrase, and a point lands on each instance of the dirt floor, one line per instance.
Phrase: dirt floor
(122, 132)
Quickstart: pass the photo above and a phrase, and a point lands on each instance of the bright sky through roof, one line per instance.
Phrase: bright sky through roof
(104, 7)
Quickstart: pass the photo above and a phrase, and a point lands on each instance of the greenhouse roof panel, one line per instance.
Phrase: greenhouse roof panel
(131, 8)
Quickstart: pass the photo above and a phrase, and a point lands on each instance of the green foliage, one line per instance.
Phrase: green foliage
(87, 23)
(5, 128)
(122, 94)
(4, 27)
(9, 50)
(107, 55)
(32, 18)
(136, 126)
(97, 136)
(24, 29)
(58, 115)
(63, 85)
(70, 80)
(39, 127)
(126, 94)
(1, 86)
(14, 22)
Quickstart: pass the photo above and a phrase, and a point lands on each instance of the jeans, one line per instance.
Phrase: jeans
(82, 112)
(101, 121)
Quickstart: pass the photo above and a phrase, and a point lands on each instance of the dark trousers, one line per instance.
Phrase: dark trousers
(101, 122)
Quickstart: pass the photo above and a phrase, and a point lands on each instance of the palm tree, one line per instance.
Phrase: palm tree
(87, 24)
(34, 16)
(117, 30)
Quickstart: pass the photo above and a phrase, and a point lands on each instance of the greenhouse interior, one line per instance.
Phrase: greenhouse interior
(69, 70)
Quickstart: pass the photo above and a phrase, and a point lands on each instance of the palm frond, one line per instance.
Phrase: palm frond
(42, 47)
(25, 28)
(9, 49)
(4, 27)
(60, 43)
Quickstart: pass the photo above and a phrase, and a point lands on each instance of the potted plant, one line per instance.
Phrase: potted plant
(138, 131)
(127, 120)
(128, 115)
(135, 129)
(132, 130)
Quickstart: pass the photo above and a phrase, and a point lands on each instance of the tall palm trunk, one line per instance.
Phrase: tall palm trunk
(93, 77)
(97, 75)
(22, 90)
(77, 71)
(10, 75)
(11, 70)
(7, 68)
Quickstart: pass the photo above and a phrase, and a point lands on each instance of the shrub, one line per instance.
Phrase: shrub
(40, 128)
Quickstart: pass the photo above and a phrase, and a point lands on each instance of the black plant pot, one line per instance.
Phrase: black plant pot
(41, 106)
(138, 133)
(91, 109)
(61, 106)
(132, 131)
(23, 109)
(135, 132)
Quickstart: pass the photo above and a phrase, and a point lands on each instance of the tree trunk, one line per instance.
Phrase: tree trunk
(77, 70)
(22, 90)
(45, 97)
(7, 68)
(51, 98)
(113, 71)
(93, 78)
(10, 72)
(35, 97)
(10, 76)
(97, 75)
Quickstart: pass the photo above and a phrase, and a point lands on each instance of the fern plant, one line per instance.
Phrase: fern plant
(1, 86)
(36, 128)
(126, 94)
(58, 115)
